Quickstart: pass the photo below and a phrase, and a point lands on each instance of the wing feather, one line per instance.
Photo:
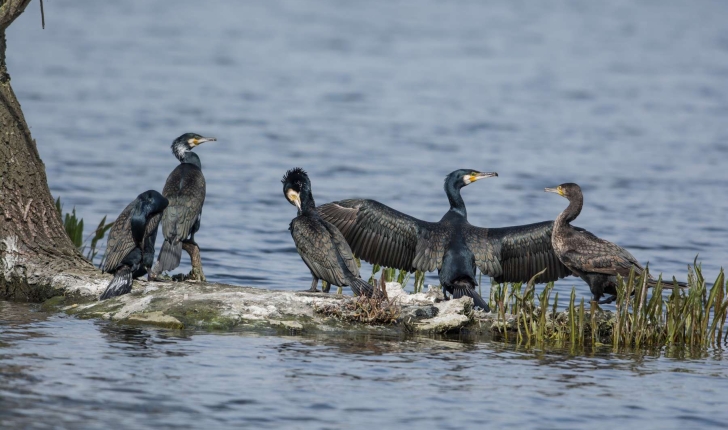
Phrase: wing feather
(185, 190)
(317, 249)
(381, 235)
(120, 242)
(516, 254)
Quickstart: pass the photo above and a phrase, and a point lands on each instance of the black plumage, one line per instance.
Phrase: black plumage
(130, 248)
(321, 245)
(595, 260)
(185, 189)
(381, 235)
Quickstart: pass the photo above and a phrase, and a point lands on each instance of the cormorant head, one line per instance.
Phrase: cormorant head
(463, 177)
(568, 190)
(295, 183)
(153, 202)
(186, 142)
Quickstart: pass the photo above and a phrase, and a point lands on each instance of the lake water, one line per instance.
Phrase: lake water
(377, 99)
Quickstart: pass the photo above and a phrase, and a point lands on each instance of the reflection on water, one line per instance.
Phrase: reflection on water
(59, 371)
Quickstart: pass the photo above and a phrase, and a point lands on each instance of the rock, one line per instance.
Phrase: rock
(452, 315)
(419, 312)
(157, 319)
(223, 307)
(291, 325)
(396, 292)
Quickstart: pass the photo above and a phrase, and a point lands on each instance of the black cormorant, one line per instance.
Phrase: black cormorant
(130, 248)
(321, 245)
(594, 260)
(381, 235)
(185, 189)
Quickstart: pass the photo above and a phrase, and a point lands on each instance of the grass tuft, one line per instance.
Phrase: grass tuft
(688, 318)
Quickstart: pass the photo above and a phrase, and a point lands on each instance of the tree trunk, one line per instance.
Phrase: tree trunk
(34, 247)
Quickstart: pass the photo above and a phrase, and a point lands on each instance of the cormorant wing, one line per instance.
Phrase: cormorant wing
(590, 253)
(317, 249)
(381, 235)
(120, 242)
(515, 254)
(185, 190)
(342, 247)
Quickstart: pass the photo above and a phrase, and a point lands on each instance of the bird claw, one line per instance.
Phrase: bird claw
(608, 300)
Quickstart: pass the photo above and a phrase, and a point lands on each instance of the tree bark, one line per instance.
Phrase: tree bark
(34, 246)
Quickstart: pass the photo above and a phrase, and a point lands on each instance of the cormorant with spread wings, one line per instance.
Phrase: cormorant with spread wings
(381, 235)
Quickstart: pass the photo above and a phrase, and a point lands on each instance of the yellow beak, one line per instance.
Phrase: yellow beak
(557, 190)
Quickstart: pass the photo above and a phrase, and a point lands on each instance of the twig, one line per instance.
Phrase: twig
(42, 15)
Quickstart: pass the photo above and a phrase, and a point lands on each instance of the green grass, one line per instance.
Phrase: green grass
(74, 228)
(694, 317)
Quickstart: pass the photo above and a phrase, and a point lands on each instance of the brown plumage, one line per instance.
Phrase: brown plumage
(595, 260)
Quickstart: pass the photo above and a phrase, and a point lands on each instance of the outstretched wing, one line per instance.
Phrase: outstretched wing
(592, 254)
(185, 190)
(381, 235)
(516, 254)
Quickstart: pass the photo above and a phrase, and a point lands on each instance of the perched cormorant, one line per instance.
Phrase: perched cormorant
(594, 260)
(321, 245)
(381, 235)
(185, 189)
(130, 248)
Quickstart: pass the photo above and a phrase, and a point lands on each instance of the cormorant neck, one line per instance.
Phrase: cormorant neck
(308, 205)
(572, 211)
(138, 224)
(457, 204)
(190, 157)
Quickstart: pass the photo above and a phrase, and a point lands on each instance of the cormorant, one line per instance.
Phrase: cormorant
(594, 260)
(185, 189)
(381, 235)
(320, 245)
(130, 248)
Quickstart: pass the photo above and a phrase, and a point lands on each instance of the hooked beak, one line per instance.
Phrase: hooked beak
(201, 140)
(479, 176)
(294, 198)
(556, 190)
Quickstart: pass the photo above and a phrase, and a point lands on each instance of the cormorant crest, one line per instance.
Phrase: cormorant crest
(295, 176)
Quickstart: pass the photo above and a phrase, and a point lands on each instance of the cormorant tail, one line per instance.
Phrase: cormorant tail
(460, 290)
(121, 284)
(361, 287)
(169, 257)
(666, 285)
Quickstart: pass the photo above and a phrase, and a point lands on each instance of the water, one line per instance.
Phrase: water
(58, 371)
(376, 99)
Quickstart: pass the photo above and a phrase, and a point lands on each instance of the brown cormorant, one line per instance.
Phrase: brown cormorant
(185, 189)
(381, 235)
(130, 248)
(321, 245)
(595, 260)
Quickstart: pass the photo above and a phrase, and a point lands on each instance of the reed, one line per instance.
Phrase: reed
(694, 317)
(74, 228)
